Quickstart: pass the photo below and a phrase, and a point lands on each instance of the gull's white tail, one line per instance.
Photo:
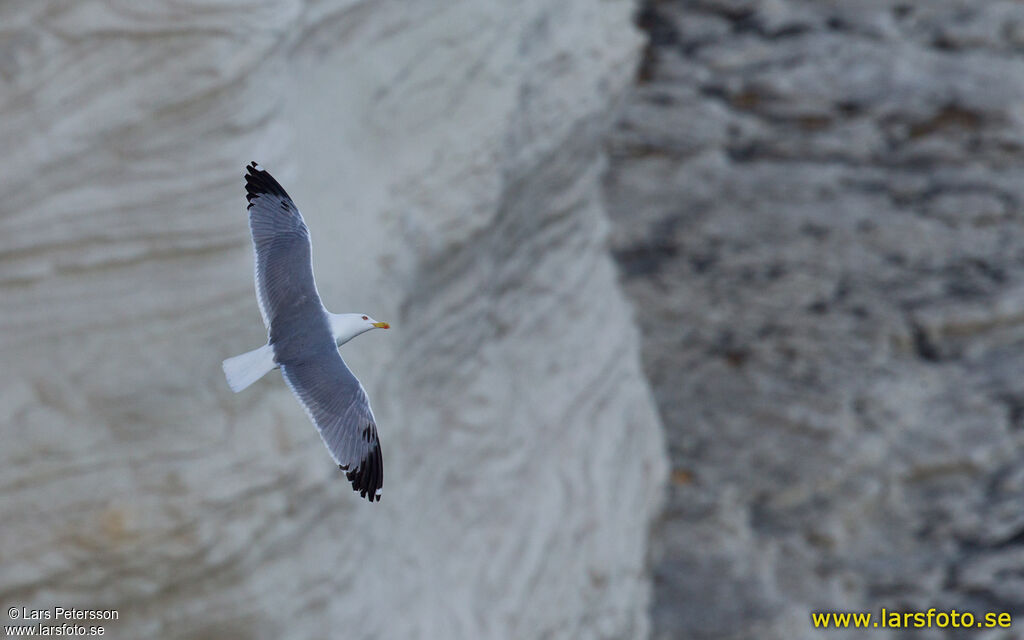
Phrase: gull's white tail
(241, 371)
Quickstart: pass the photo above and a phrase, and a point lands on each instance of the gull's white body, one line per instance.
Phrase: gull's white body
(243, 370)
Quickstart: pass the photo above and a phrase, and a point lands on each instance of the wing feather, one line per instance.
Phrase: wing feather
(281, 246)
(337, 404)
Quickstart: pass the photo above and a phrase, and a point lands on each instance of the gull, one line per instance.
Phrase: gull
(303, 337)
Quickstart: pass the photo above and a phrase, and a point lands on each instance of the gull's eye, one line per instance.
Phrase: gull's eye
(366, 317)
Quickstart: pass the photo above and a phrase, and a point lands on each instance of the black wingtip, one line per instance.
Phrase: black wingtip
(259, 182)
(368, 477)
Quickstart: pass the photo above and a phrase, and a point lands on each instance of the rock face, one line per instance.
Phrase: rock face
(819, 215)
(447, 160)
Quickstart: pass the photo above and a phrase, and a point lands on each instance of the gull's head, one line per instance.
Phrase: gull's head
(346, 326)
(373, 323)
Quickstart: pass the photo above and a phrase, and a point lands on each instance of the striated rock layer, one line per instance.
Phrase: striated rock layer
(819, 207)
(447, 160)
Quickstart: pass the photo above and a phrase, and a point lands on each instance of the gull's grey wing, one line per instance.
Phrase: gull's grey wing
(284, 266)
(337, 404)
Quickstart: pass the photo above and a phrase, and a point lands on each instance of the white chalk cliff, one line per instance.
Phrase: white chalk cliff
(446, 157)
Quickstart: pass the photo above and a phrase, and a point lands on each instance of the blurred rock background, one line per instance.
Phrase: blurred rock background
(447, 157)
(818, 217)
(815, 212)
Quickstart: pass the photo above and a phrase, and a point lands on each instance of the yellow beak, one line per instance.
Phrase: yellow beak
(382, 325)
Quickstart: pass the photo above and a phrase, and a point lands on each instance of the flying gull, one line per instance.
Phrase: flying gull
(303, 337)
